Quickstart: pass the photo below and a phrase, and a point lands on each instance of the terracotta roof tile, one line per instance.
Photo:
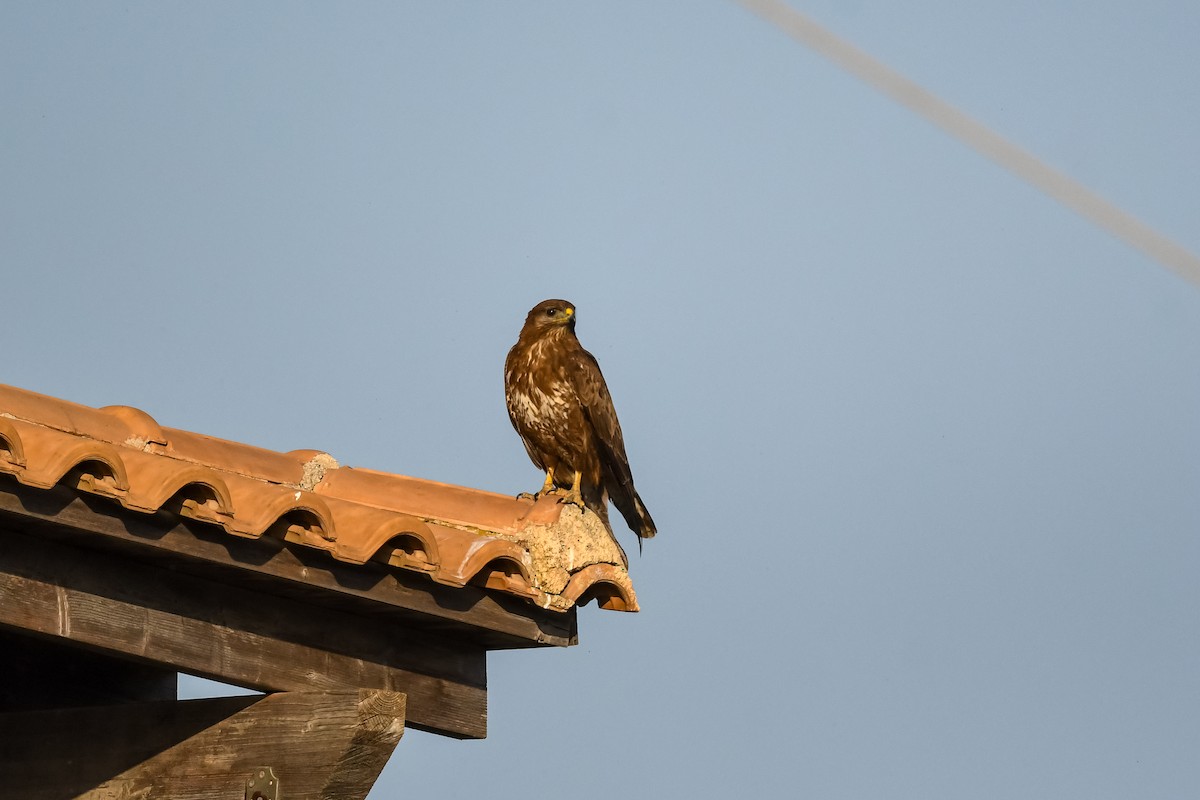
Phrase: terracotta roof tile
(544, 552)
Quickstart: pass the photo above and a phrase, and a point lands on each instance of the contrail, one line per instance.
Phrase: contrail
(1029, 168)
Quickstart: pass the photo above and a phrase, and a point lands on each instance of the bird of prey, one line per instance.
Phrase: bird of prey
(559, 404)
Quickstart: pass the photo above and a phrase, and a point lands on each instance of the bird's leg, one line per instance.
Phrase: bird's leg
(573, 494)
(547, 487)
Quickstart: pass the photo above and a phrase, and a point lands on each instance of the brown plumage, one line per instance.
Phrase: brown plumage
(559, 404)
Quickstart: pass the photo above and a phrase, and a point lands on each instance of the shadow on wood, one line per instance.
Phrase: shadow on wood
(317, 744)
(37, 673)
(129, 609)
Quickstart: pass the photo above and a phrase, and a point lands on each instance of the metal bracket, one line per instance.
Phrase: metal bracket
(262, 785)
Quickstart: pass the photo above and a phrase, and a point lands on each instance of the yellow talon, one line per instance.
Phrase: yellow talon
(573, 495)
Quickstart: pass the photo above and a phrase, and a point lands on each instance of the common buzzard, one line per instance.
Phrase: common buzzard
(559, 404)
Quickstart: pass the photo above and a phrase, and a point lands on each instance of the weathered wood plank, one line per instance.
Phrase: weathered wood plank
(372, 744)
(498, 622)
(318, 745)
(230, 634)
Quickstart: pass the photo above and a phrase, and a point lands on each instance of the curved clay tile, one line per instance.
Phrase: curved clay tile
(470, 554)
(155, 480)
(408, 551)
(605, 583)
(427, 499)
(302, 526)
(62, 415)
(144, 433)
(259, 505)
(364, 530)
(12, 453)
(242, 459)
(202, 501)
(98, 476)
(51, 454)
(507, 575)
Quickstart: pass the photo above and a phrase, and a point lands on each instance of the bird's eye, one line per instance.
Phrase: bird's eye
(550, 312)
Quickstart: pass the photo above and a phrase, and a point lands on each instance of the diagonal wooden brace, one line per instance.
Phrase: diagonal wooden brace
(317, 745)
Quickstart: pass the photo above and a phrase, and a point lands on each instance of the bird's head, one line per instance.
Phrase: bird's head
(551, 315)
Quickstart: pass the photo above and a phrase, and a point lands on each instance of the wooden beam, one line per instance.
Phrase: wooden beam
(495, 620)
(40, 673)
(316, 744)
(121, 607)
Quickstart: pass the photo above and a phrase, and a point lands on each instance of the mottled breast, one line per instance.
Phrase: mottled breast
(538, 395)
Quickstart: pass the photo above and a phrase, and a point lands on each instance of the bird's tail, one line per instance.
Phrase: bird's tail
(634, 511)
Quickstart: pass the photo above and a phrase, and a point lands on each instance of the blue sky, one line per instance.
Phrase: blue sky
(922, 446)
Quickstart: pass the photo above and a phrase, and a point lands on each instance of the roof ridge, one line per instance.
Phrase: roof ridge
(454, 534)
